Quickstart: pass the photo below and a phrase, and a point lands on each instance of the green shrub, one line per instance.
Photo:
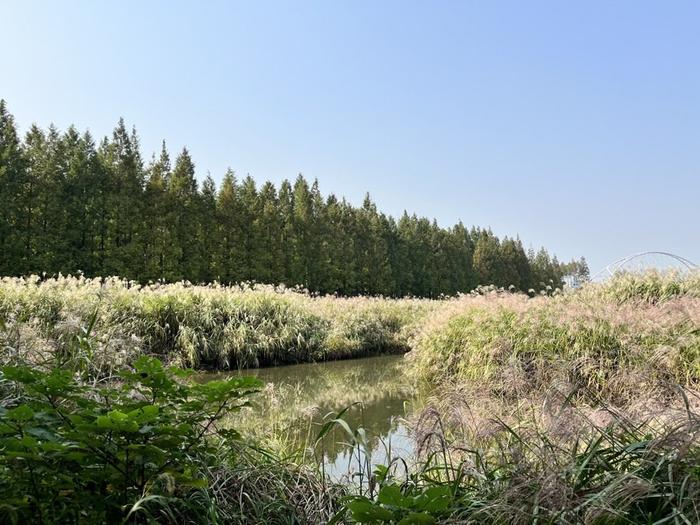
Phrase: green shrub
(75, 453)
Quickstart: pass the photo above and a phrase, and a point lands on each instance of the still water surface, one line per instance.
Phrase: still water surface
(298, 399)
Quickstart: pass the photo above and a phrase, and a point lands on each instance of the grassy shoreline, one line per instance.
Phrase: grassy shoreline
(514, 346)
(576, 408)
(208, 327)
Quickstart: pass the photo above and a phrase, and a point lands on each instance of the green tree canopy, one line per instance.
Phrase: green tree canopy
(69, 206)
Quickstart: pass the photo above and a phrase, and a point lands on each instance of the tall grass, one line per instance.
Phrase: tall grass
(567, 467)
(615, 339)
(201, 326)
(652, 285)
(579, 407)
(576, 408)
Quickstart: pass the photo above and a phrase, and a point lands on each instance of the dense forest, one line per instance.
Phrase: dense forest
(69, 204)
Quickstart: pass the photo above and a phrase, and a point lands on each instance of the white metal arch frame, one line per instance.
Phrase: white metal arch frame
(618, 265)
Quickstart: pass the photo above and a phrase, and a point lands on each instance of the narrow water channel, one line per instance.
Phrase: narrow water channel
(298, 399)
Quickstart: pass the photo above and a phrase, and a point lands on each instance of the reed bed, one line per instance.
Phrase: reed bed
(576, 407)
(211, 327)
(615, 339)
(571, 466)
(651, 285)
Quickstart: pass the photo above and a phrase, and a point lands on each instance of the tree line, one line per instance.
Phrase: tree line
(69, 204)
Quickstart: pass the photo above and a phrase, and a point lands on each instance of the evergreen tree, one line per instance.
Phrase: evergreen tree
(303, 226)
(287, 233)
(371, 252)
(544, 272)
(250, 247)
(121, 161)
(576, 272)
(14, 197)
(230, 251)
(316, 267)
(403, 263)
(522, 264)
(336, 248)
(464, 252)
(207, 230)
(390, 235)
(510, 264)
(34, 196)
(159, 245)
(183, 215)
(488, 266)
(66, 206)
(48, 157)
(79, 206)
(267, 226)
(422, 258)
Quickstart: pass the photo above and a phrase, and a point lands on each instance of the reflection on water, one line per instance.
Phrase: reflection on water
(298, 399)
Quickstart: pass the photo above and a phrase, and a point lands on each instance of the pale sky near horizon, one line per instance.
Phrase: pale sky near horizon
(573, 125)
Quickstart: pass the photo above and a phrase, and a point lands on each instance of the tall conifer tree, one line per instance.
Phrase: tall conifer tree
(66, 206)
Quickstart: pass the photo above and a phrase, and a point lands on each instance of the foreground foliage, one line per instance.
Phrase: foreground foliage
(79, 453)
(624, 471)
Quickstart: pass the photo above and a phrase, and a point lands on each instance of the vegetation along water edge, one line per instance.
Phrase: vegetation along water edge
(576, 406)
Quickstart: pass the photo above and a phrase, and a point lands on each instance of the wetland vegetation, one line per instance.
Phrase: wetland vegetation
(577, 406)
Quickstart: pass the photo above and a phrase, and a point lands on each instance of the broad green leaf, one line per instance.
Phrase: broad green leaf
(436, 499)
(20, 413)
(20, 374)
(418, 518)
(144, 414)
(116, 420)
(365, 511)
(391, 495)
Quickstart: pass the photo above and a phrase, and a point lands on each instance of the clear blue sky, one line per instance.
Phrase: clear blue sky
(573, 124)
